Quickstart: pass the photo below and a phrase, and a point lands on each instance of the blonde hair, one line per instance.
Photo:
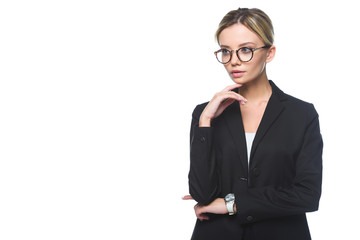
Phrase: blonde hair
(254, 19)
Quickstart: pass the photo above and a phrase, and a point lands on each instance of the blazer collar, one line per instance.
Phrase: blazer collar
(273, 110)
(236, 127)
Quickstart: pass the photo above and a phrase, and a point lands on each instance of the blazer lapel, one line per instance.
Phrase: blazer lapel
(272, 112)
(236, 129)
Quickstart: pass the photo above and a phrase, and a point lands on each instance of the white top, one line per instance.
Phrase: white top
(249, 141)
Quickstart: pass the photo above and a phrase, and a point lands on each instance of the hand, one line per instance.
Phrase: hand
(219, 103)
(218, 206)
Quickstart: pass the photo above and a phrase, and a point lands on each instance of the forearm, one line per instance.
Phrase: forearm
(270, 202)
(204, 173)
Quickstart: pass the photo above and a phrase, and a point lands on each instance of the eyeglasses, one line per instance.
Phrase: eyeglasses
(244, 54)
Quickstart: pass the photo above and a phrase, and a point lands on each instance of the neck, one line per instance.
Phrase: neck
(256, 90)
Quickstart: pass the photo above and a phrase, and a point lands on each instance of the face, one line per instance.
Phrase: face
(237, 36)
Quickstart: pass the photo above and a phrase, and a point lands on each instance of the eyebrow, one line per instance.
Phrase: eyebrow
(240, 45)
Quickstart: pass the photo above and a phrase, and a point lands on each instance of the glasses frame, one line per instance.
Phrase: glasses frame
(237, 53)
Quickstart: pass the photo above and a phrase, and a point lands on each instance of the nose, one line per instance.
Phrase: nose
(234, 59)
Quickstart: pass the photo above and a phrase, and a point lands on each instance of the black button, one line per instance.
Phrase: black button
(202, 139)
(249, 218)
(255, 172)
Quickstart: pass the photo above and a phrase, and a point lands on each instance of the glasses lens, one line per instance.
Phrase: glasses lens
(223, 55)
(245, 54)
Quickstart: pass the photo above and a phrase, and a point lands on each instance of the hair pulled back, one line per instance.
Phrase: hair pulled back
(254, 19)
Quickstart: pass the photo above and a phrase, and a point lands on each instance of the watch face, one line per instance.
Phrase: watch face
(229, 197)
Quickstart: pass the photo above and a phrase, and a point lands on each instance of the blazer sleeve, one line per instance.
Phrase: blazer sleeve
(303, 195)
(203, 176)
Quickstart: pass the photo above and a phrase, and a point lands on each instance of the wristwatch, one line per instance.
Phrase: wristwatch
(229, 201)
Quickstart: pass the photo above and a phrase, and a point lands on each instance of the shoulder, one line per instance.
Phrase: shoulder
(299, 106)
(294, 105)
(299, 110)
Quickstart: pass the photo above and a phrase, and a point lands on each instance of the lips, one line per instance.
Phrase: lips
(237, 73)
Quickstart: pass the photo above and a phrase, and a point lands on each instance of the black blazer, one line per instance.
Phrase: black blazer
(281, 183)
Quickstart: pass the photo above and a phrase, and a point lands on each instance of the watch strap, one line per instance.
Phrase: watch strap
(230, 207)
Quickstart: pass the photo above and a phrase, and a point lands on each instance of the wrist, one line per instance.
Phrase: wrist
(204, 121)
(230, 203)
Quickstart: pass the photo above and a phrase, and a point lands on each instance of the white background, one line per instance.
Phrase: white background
(96, 100)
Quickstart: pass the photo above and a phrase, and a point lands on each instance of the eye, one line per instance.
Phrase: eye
(245, 50)
(225, 52)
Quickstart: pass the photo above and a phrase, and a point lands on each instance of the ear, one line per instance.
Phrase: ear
(270, 54)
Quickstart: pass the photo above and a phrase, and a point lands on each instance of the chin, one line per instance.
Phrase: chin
(243, 80)
(239, 80)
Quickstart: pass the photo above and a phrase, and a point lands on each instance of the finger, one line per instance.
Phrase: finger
(225, 104)
(231, 87)
(187, 197)
(200, 212)
(232, 95)
(203, 217)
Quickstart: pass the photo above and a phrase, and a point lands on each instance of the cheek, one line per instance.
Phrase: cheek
(227, 67)
(258, 66)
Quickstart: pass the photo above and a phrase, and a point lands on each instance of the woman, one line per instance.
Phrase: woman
(256, 152)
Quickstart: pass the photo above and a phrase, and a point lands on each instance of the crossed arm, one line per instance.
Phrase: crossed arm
(218, 206)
